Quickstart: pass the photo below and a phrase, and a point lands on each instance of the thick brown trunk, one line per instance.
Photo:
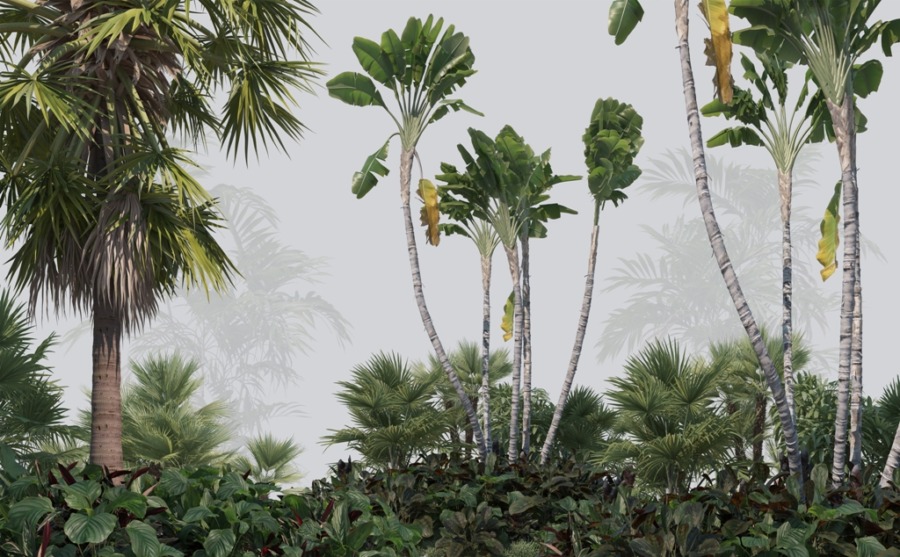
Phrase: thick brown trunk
(106, 395)
(526, 347)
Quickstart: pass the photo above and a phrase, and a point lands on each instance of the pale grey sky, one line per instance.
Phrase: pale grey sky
(541, 66)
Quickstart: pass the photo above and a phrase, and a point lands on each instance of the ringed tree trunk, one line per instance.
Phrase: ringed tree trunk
(844, 120)
(856, 382)
(579, 340)
(486, 351)
(893, 461)
(512, 257)
(759, 427)
(406, 163)
(526, 346)
(785, 187)
(718, 244)
(106, 388)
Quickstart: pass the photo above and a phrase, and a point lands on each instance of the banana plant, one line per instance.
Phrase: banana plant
(420, 67)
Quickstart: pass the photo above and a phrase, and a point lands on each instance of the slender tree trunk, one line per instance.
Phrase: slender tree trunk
(106, 393)
(579, 340)
(526, 346)
(406, 162)
(785, 187)
(718, 243)
(512, 256)
(759, 427)
(486, 350)
(856, 382)
(844, 120)
(893, 461)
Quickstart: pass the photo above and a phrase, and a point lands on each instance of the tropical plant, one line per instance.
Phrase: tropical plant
(105, 213)
(392, 412)
(421, 67)
(611, 142)
(247, 338)
(673, 423)
(623, 16)
(830, 38)
(31, 410)
(271, 460)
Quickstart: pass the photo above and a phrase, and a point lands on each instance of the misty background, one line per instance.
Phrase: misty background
(326, 276)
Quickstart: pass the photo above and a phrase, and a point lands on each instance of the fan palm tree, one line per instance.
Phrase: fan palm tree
(830, 38)
(585, 425)
(31, 410)
(271, 460)
(105, 213)
(624, 15)
(421, 67)
(392, 412)
(612, 141)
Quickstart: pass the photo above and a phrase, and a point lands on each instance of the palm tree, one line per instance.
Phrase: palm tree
(830, 38)
(247, 338)
(106, 214)
(421, 67)
(392, 411)
(585, 425)
(612, 140)
(671, 419)
(271, 460)
(621, 23)
(31, 410)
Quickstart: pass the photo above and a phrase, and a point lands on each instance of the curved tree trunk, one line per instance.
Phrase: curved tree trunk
(856, 382)
(579, 341)
(512, 256)
(893, 461)
(526, 347)
(785, 186)
(718, 243)
(406, 162)
(106, 385)
(486, 351)
(844, 120)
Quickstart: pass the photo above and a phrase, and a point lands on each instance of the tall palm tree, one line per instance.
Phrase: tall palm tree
(421, 67)
(621, 23)
(612, 141)
(829, 38)
(31, 410)
(105, 212)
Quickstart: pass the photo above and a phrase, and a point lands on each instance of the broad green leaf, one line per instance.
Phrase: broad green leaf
(507, 323)
(737, 136)
(890, 36)
(445, 106)
(374, 60)
(28, 512)
(828, 243)
(367, 178)
(358, 535)
(173, 482)
(624, 16)
(355, 89)
(121, 498)
(143, 538)
(196, 514)
(867, 78)
(9, 462)
(81, 496)
(431, 212)
(868, 547)
(719, 48)
(81, 528)
(219, 543)
(519, 503)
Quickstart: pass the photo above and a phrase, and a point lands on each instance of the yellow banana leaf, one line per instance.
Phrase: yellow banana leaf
(828, 243)
(431, 213)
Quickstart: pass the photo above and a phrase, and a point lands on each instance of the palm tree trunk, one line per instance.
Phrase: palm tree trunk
(893, 461)
(759, 427)
(844, 120)
(526, 346)
(512, 257)
(486, 350)
(106, 384)
(406, 162)
(579, 340)
(856, 381)
(718, 243)
(785, 187)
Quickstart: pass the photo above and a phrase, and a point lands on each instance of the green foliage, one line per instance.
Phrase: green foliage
(611, 142)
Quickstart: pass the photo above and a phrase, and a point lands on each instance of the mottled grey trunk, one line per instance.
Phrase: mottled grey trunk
(406, 162)
(856, 381)
(486, 350)
(893, 461)
(526, 346)
(512, 257)
(718, 243)
(785, 186)
(579, 340)
(844, 120)
(106, 388)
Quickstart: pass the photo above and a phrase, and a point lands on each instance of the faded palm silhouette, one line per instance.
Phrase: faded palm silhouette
(247, 339)
(675, 289)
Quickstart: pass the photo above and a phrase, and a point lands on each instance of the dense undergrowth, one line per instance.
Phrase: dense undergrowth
(440, 506)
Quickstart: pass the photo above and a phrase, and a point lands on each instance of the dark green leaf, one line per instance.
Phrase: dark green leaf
(355, 89)
(219, 543)
(367, 178)
(624, 16)
(81, 528)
